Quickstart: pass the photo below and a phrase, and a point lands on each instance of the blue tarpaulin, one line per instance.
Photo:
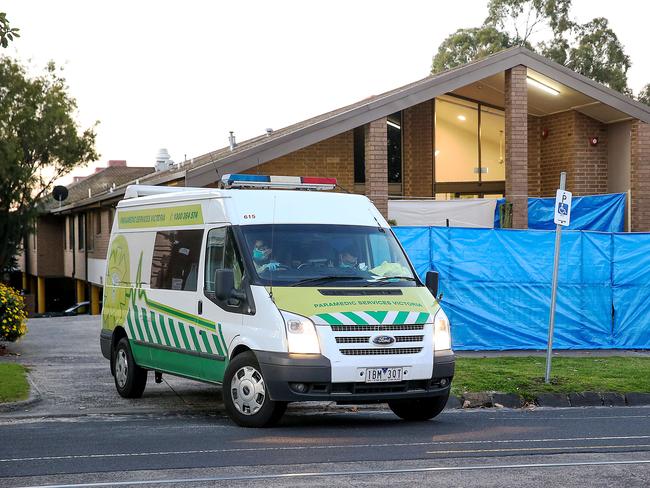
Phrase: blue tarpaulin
(604, 213)
(496, 286)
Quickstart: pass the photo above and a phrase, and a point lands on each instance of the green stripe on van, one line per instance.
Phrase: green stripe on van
(146, 333)
(206, 341)
(215, 338)
(422, 318)
(186, 342)
(330, 319)
(401, 317)
(378, 316)
(145, 321)
(173, 329)
(223, 341)
(195, 339)
(355, 318)
(129, 324)
(163, 329)
(180, 314)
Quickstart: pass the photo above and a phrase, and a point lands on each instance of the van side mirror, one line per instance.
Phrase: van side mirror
(224, 282)
(432, 282)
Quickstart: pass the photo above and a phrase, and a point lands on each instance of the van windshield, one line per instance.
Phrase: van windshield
(332, 255)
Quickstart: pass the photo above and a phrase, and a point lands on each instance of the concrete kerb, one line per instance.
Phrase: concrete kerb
(34, 398)
(576, 399)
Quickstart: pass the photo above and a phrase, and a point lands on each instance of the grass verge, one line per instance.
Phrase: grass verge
(13, 383)
(525, 375)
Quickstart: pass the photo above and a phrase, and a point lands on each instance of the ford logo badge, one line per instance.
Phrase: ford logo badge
(383, 340)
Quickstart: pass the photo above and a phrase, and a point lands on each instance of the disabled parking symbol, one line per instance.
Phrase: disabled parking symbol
(562, 209)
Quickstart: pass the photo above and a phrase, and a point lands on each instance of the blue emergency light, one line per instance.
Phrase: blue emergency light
(281, 182)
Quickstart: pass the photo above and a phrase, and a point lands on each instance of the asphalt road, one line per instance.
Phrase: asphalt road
(82, 432)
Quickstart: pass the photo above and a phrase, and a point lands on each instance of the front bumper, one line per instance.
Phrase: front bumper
(283, 372)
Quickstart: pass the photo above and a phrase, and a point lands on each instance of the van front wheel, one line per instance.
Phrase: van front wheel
(418, 409)
(245, 394)
(130, 379)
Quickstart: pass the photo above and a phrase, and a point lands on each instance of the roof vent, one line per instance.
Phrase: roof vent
(231, 141)
(269, 131)
(163, 160)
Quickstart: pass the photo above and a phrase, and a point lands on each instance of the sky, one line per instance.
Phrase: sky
(181, 75)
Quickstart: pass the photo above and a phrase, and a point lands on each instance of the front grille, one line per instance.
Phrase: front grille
(377, 352)
(353, 340)
(409, 338)
(367, 328)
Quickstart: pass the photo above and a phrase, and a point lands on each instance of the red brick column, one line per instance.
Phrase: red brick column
(640, 176)
(516, 138)
(376, 155)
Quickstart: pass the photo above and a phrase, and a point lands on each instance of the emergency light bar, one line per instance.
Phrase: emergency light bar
(281, 182)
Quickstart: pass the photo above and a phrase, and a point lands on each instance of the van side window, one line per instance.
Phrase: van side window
(175, 262)
(221, 253)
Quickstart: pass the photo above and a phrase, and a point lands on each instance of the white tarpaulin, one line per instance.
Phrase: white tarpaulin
(477, 212)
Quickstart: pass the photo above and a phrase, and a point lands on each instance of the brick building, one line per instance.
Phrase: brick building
(506, 125)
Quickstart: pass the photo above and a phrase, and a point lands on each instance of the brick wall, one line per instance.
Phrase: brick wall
(100, 244)
(333, 157)
(376, 156)
(417, 150)
(640, 176)
(49, 248)
(567, 148)
(534, 161)
(516, 138)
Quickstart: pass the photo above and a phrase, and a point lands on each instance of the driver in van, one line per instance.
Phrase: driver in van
(262, 257)
(348, 259)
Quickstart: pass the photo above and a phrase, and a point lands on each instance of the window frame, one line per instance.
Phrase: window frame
(153, 280)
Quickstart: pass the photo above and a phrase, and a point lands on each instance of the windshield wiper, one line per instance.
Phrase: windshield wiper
(326, 278)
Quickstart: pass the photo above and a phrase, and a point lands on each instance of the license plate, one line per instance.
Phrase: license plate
(383, 375)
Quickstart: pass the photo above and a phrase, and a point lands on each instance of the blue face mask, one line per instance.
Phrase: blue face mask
(258, 254)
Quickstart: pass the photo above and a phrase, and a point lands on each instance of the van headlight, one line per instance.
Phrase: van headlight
(301, 334)
(441, 332)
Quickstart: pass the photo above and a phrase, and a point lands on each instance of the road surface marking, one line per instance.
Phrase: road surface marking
(528, 449)
(185, 481)
(339, 446)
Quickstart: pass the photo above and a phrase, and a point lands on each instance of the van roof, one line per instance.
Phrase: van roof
(250, 207)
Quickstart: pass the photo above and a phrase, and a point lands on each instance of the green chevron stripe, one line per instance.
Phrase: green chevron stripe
(355, 318)
(147, 333)
(151, 327)
(401, 317)
(129, 324)
(378, 316)
(422, 318)
(173, 329)
(186, 342)
(217, 343)
(195, 339)
(223, 342)
(331, 320)
(163, 329)
(206, 341)
(180, 314)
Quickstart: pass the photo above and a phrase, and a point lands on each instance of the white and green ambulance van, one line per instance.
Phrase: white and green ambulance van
(275, 292)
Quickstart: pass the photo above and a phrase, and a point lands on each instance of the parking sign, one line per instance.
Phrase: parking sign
(562, 207)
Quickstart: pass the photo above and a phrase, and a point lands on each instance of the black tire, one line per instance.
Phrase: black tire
(130, 379)
(419, 409)
(246, 396)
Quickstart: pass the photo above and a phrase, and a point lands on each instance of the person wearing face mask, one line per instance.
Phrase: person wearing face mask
(348, 259)
(262, 257)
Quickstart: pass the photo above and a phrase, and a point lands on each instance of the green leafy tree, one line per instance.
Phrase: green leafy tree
(39, 143)
(544, 26)
(467, 45)
(7, 33)
(644, 95)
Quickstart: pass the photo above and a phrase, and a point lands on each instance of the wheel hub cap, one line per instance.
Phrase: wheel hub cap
(247, 390)
(121, 368)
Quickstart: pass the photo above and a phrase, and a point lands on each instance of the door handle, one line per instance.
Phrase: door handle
(200, 307)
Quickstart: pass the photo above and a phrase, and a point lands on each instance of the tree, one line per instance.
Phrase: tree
(644, 95)
(39, 143)
(7, 33)
(591, 49)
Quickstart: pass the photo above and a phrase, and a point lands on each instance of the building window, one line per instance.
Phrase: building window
(175, 261)
(70, 233)
(81, 223)
(359, 155)
(394, 149)
(469, 142)
(98, 222)
(394, 137)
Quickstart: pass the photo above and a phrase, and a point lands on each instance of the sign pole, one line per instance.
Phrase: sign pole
(556, 264)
